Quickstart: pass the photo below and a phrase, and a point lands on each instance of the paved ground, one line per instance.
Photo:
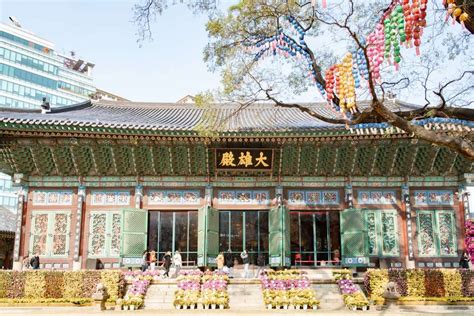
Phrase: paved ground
(53, 311)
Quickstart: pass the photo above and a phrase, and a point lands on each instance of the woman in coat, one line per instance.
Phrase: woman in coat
(220, 261)
(464, 262)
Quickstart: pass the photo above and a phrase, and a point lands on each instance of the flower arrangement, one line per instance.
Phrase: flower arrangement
(347, 286)
(351, 294)
(286, 289)
(148, 275)
(135, 295)
(208, 289)
(341, 274)
(214, 290)
(469, 241)
(422, 284)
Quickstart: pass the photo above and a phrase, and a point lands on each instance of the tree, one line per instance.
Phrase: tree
(252, 29)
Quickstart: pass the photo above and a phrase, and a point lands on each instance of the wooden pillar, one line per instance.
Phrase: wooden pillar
(410, 256)
(20, 207)
(81, 196)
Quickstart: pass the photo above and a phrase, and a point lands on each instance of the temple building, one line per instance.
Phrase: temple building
(109, 179)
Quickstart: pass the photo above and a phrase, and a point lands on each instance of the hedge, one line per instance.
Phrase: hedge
(58, 285)
(426, 283)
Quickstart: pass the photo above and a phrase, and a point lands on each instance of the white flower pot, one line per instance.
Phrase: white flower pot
(364, 308)
(177, 307)
(221, 306)
(118, 307)
(285, 307)
(213, 306)
(269, 306)
(305, 306)
(315, 307)
(354, 308)
(125, 307)
(132, 307)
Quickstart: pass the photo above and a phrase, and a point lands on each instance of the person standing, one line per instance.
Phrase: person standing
(220, 261)
(261, 264)
(464, 262)
(152, 259)
(178, 262)
(229, 262)
(167, 263)
(35, 262)
(144, 261)
(245, 259)
(25, 264)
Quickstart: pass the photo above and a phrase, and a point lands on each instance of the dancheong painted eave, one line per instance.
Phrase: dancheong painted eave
(175, 119)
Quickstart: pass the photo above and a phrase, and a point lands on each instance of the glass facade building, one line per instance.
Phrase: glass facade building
(31, 69)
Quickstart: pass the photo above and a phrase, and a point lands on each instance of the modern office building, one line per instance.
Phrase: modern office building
(107, 180)
(31, 69)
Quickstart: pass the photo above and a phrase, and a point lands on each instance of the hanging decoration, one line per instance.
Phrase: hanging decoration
(401, 24)
(456, 12)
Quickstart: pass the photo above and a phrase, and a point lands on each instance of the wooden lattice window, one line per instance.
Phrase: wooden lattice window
(104, 234)
(382, 227)
(436, 233)
(50, 233)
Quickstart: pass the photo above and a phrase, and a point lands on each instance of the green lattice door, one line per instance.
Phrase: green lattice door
(279, 241)
(382, 228)
(134, 224)
(354, 238)
(208, 236)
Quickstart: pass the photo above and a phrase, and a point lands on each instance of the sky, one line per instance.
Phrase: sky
(101, 31)
(163, 70)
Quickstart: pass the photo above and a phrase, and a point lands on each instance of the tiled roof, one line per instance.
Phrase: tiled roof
(7, 220)
(182, 117)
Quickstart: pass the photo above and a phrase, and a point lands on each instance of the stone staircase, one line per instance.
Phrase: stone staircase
(245, 294)
(160, 295)
(329, 296)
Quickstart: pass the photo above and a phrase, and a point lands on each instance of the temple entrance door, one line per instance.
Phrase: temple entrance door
(134, 223)
(279, 229)
(208, 236)
(174, 230)
(315, 239)
(239, 230)
(354, 238)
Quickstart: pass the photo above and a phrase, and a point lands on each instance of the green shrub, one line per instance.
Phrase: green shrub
(35, 284)
(5, 280)
(416, 282)
(399, 276)
(54, 284)
(467, 278)
(452, 283)
(17, 284)
(112, 281)
(44, 285)
(73, 281)
(90, 280)
(46, 301)
(377, 282)
(434, 283)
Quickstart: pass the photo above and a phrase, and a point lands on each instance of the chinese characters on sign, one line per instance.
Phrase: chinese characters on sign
(244, 159)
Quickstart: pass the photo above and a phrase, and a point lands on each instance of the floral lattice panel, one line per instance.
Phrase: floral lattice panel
(447, 239)
(105, 234)
(98, 226)
(426, 238)
(390, 244)
(116, 230)
(60, 236)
